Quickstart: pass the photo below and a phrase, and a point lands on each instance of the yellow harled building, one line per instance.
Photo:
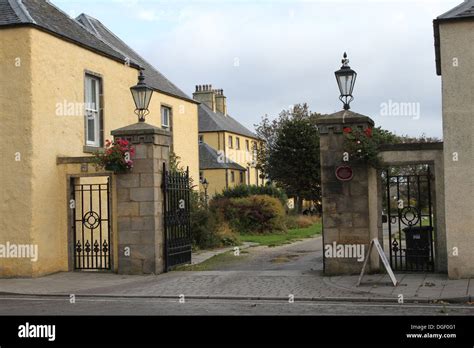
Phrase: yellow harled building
(64, 86)
(227, 150)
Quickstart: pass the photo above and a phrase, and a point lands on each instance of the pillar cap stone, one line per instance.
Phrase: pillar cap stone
(139, 128)
(344, 117)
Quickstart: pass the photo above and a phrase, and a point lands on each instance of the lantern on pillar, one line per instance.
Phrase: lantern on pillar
(141, 94)
(346, 78)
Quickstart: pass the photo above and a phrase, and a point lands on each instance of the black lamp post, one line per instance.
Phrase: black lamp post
(346, 78)
(141, 94)
(205, 184)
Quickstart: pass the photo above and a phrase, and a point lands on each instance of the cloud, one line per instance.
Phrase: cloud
(288, 52)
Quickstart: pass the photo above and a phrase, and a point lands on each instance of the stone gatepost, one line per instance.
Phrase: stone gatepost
(140, 232)
(351, 209)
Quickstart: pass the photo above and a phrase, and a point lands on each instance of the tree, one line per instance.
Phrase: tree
(290, 154)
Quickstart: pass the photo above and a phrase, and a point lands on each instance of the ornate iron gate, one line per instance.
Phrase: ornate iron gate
(410, 222)
(177, 224)
(91, 226)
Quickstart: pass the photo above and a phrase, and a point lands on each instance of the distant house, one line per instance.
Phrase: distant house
(454, 47)
(227, 155)
(64, 86)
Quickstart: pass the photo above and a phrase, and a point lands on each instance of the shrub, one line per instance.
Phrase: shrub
(253, 214)
(241, 191)
(206, 231)
(300, 221)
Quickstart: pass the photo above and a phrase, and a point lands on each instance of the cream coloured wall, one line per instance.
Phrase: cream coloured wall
(53, 73)
(216, 180)
(17, 144)
(185, 129)
(242, 156)
(220, 141)
(456, 41)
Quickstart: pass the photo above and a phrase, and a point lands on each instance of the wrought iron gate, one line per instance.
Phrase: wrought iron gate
(91, 226)
(177, 224)
(410, 222)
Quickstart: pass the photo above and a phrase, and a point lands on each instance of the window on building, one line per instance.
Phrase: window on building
(241, 177)
(166, 117)
(247, 145)
(254, 150)
(201, 176)
(231, 142)
(232, 176)
(92, 110)
(237, 143)
(201, 139)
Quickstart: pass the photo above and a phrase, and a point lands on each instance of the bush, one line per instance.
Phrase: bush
(204, 229)
(254, 214)
(300, 221)
(206, 232)
(241, 191)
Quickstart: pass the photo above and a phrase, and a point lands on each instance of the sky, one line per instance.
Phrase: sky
(268, 55)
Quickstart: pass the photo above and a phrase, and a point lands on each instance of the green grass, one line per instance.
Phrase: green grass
(272, 240)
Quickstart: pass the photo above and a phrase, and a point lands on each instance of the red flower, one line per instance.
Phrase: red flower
(368, 132)
(347, 130)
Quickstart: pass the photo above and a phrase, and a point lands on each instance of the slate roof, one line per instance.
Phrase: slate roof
(209, 159)
(8, 15)
(464, 11)
(153, 77)
(210, 121)
(86, 32)
(44, 15)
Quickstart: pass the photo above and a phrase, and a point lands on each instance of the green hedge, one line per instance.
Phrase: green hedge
(253, 214)
(241, 191)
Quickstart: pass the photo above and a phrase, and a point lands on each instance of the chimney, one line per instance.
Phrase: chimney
(221, 102)
(206, 95)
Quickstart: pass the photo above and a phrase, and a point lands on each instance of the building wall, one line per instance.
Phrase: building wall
(456, 41)
(54, 73)
(16, 177)
(216, 179)
(220, 142)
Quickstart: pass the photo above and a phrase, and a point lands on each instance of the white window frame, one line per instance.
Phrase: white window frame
(163, 124)
(92, 111)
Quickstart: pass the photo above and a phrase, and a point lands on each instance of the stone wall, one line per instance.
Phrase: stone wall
(140, 201)
(347, 217)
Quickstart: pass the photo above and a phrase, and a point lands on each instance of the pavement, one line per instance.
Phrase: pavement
(291, 271)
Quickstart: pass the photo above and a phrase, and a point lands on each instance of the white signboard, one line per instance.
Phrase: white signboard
(385, 262)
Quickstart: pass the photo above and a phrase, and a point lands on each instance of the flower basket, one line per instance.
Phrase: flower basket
(361, 146)
(117, 156)
(116, 168)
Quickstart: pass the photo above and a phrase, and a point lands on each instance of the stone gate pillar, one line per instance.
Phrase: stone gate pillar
(140, 232)
(351, 208)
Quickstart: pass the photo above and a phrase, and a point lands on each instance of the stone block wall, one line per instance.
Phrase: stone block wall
(140, 201)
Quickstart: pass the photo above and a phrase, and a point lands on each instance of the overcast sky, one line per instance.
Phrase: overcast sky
(268, 55)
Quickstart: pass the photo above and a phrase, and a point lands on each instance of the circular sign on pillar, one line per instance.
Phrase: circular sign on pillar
(344, 173)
